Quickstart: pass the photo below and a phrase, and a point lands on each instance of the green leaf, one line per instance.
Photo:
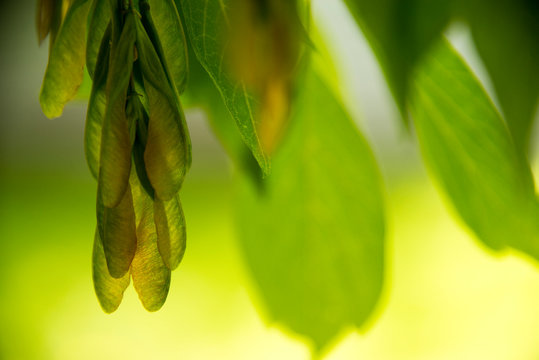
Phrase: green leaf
(470, 152)
(399, 33)
(115, 157)
(98, 21)
(205, 27)
(202, 93)
(109, 290)
(168, 154)
(506, 33)
(117, 229)
(96, 107)
(316, 244)
(151, 277)
(66, 62)
(169, 29)
(170, 226)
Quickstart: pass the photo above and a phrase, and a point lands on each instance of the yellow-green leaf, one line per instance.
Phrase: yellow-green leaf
(66, 62)
(471, 153)
(109, 290)
(170, 226)
(313, 231)
(206, 24)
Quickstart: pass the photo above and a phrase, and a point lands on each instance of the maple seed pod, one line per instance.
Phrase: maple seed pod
(44, 15)
(167, 151)
(117, 229)
(65, 69)
(109, 290)
(136, 140)
(170, 226)
(115, 159)
(96, 106)
(151, 277)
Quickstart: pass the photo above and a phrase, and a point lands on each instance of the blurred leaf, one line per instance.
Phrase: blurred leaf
(66, 62)
(262, 50)
(115, 157)
(168, 154)
(206, 26)
(506, 33)
(316, 244)
(169, 29)
(399, 33)
(151, 277)
(98, 21)
(470, 152)
(109, 290)
(96, 107)
(170, 227)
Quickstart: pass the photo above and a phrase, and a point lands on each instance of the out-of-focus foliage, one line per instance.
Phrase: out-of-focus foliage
(319, 197)
(488, 179)
(471, 153)
(316, 246)
(400, 32)
(506, 33)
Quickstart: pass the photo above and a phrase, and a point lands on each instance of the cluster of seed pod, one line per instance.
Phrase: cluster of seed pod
(136, 140)
(144, 154)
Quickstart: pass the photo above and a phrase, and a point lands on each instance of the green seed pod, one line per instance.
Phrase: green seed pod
(65, 69)
(44, 17)
(138, 151)
(49, 17)
(170, 225)
(98, 23)
(167, 156)
(168, 38)
(151, 277)
(96, 106)
(109, 290)
(117, 229)
(115, 158)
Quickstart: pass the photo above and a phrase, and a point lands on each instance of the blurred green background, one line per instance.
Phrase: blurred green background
(446, 296)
